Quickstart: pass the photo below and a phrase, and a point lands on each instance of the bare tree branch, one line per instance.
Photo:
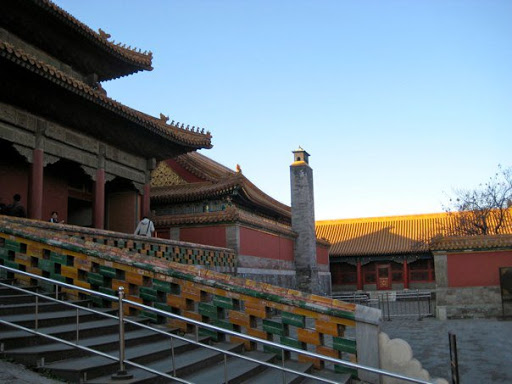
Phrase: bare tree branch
(484, 210)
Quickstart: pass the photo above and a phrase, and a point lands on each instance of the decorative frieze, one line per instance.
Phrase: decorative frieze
(27, 153)
(49, 159)
(90, 171)
(71, 138)
(124, 171)
(125, 158)
(16, 135)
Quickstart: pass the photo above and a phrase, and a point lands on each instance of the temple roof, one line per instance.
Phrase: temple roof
(47, 26)
(229, 215)
(204, 167)
(475, 243)
(391, 235)
(173, 135)
(216, 181)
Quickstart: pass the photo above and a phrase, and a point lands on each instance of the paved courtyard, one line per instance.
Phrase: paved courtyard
(484, 347)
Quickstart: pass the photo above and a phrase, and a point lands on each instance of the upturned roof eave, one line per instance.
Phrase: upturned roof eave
(192, 140)
(133, 60)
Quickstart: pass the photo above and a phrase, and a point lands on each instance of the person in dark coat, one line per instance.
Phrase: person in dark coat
(15, 208)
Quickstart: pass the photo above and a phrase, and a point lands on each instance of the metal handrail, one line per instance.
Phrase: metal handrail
(197, 324)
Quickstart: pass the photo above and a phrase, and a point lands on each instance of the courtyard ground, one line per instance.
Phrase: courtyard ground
(484, 347)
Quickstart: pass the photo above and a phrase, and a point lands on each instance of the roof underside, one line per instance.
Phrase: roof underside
(44, 90)
(53, 30)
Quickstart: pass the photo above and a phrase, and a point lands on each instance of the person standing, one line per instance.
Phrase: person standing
(55, 218)
(145, 227)
(15, 208)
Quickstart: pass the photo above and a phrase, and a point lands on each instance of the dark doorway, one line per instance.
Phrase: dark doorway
(383, 277)
(79, 212)
(122, 205)
(68, 190)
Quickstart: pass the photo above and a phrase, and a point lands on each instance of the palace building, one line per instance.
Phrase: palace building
(382, 253)
(198, 200)
(66, 146)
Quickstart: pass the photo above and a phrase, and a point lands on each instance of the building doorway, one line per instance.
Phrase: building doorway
(383, 277)
(79, 212)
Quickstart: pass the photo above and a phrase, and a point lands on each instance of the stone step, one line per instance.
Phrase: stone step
(53, 318)
(43, 306)
(17, 298)
(186, 363)
(236, 369)
(14, 338)
(273, 375)
(6, 291)
(30, 356)
(327, 373)
(90, 367)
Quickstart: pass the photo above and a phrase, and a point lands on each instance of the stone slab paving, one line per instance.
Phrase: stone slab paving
(484, 347)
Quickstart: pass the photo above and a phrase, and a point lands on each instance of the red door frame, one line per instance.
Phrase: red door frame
(384, 279)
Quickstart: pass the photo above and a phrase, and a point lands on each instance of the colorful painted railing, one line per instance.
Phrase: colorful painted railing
(215, 258)
(289, 317)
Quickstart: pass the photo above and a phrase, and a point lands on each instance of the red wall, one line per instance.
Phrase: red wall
(14, 179)
(478, 269)
(263, 244)
(55, 196)
(215, 236)
(122, 215)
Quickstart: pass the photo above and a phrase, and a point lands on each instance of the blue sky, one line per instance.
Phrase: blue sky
(398, 102)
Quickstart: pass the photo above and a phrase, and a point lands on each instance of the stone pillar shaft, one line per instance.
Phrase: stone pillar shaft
(303, 223)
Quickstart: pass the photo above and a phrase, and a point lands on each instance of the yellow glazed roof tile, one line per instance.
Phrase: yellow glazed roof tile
(390, 235)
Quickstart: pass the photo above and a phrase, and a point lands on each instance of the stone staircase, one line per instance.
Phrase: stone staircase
(146, 347)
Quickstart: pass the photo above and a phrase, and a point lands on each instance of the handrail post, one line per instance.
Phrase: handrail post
(454, 360)
(36, 319)
(387, 305)
(225, 369)
(419, 304)
(121, 374)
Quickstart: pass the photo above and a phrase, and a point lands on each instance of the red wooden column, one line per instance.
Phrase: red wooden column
(406, 275)
(36, 183)
(359, 276)
(99, 199)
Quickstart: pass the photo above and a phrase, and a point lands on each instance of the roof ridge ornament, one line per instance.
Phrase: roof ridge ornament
(163, 118)
(104, 35)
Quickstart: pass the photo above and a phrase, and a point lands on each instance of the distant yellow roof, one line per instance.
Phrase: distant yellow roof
(390, 235)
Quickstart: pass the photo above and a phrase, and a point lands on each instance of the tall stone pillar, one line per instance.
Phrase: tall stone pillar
(303, 223)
